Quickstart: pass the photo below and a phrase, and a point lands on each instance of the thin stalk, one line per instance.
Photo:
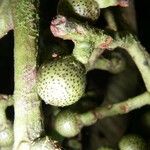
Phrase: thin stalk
(137, 52)
(124, 107)
(108, 3)
(109, 16)
(28, 123)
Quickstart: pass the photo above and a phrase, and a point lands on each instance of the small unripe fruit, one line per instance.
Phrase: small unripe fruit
(87, 9)
(61, 82)
(67, 124)
(132, 142)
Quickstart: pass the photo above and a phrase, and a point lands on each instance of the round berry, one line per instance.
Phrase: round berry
(67, 124)
(87, 9)
(61, 82)
(132, 142)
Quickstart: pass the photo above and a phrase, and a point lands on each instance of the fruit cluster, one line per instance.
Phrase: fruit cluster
(61, 79)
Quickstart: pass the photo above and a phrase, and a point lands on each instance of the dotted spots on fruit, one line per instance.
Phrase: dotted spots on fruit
(85, 8)
(61, 82)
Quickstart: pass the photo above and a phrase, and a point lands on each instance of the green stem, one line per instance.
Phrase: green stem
(28, 123)
(138, 54)
(109, 16)
(91, 117)
(97, 41)
(142, 60)
(87, 40)
(106, 3)
(68, 123)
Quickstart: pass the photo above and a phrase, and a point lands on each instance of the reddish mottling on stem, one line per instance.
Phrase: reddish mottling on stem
(97, 115)
(124, 108)
(29, 75)
(106, 43)
(123, 3)
(54, 27)
(3, 97)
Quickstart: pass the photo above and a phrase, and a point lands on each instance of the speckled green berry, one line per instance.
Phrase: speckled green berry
(132, 142)
(61, 82)
(67, 124)
(87, 9)
(6, 135)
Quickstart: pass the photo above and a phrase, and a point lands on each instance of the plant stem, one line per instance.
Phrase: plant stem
(91, 117)
(108, 3)
(97, 41)
(138, 54)
(111, 24)
(87, 40)
(28, 123)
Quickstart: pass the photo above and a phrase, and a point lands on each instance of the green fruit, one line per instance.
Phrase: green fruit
(61, 82)
(6, 135)
(132, 142)
(87, 9)
(67, 124)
